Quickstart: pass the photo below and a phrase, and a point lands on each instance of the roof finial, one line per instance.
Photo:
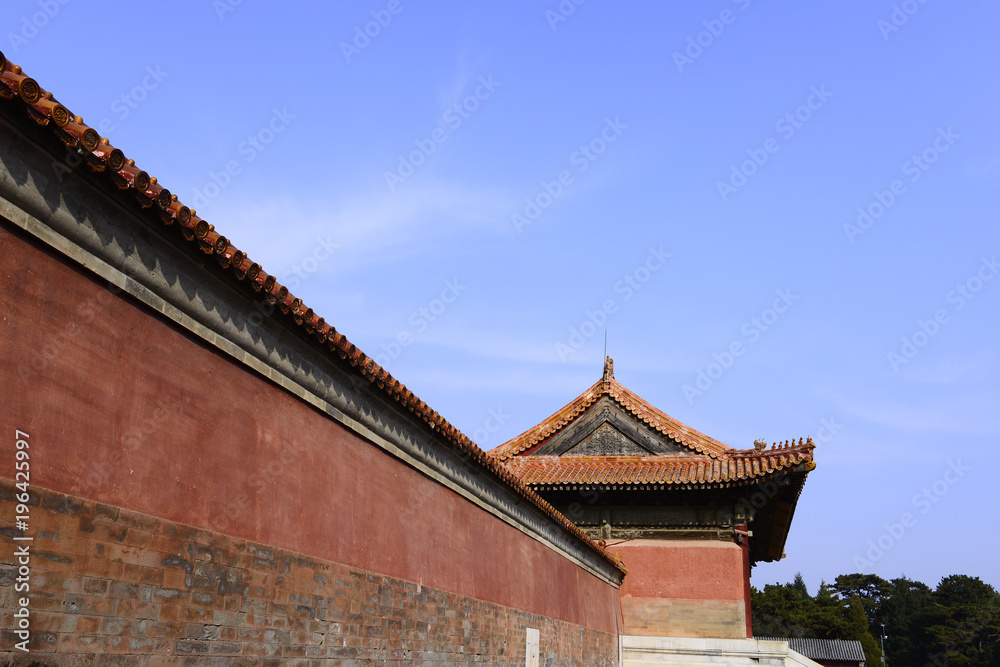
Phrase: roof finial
(609, 369)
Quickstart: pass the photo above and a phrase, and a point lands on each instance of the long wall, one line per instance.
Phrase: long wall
(143, 590)
(163, 463)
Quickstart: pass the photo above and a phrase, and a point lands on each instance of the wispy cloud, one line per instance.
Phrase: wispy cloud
(372, 227)
(968, 412)
(527, 379)
(969, 367)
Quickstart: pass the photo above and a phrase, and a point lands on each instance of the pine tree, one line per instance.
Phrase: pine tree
(856, 627)
(779, 611)
(826, 615)
(800, 584)
(870, 588)
(907, 614)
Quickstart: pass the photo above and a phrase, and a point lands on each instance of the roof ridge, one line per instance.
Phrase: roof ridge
(550, 425)
(626, 398)
(145, 193)
(672, 428)
(760, 448)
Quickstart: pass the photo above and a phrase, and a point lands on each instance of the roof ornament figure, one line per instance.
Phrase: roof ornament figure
(609, 369)
(759, 445)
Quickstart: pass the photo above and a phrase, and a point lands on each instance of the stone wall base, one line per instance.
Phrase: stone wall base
(109, 586)
(657, 651)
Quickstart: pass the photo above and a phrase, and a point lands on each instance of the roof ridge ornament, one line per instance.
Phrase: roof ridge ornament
(609, 369)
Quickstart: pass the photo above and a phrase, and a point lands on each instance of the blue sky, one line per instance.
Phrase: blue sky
(474, 192)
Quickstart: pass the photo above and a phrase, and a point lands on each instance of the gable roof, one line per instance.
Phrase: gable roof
(659, 421)
(706, 461)
(544, 457)
(139, 192)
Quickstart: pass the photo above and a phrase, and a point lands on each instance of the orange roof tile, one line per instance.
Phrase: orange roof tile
(659, 471)
(140, 191)
(709, 463)
(656, 419)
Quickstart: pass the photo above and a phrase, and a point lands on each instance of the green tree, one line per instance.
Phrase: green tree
(870, 588)
(956, 624)
(964, 626)
(800, 584)
(779, 611)
(856, 627)
(827, 615)
(907, 612)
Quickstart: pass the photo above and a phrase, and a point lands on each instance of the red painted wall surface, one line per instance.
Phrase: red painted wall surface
(682, 569)
(683, 588)
(126, 409)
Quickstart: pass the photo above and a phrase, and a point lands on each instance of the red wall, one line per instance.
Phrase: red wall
(684, 588)
(690, 569)
(126, 409)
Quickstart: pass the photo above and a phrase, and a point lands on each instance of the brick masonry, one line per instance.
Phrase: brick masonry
(684, 618)
(115, 587)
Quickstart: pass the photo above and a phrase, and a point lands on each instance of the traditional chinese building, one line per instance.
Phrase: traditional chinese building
(219, 474)
(689, 515)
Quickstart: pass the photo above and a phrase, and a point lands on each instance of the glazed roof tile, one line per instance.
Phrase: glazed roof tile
(627, 399)
(713, 460)
(140, 191)
(659, 471)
